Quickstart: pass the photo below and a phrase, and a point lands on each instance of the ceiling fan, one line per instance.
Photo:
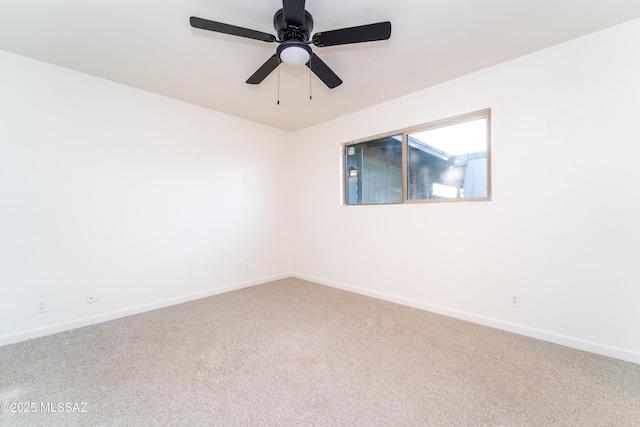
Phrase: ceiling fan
(293, 24)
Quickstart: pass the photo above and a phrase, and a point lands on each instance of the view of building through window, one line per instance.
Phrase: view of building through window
(375, 172)
(443, 160)
(448, 162)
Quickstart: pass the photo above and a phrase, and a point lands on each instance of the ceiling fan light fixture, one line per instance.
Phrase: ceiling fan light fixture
(295, 54)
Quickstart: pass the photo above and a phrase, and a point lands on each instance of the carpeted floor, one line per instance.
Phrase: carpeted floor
(294, 353)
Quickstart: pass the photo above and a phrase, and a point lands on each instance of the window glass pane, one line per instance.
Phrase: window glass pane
(374, 171)
(448, 162)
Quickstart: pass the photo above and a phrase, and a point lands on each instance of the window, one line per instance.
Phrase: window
(447, 160)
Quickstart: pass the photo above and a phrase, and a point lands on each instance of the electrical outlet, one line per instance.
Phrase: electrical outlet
(41, 306)
(246, 267)
(515, 300)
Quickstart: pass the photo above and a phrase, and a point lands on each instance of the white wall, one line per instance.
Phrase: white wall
(141, 200)
(563, 227)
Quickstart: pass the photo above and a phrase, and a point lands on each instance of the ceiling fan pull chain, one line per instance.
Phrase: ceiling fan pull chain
(310, 58)
(278, 81)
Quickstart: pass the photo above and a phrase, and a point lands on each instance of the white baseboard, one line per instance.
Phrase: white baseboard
(91, 320)
(572, 342)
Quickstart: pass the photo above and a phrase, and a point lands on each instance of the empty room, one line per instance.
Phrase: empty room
(319, 213)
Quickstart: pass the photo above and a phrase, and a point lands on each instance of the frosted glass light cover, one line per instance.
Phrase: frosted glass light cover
(295, 56)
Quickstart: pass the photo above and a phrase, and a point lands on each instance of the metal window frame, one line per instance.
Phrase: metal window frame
(450, 121)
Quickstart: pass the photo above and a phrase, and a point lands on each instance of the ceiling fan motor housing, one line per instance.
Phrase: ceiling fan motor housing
(290, 31)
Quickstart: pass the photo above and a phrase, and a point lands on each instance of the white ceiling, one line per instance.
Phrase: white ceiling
(150, 45)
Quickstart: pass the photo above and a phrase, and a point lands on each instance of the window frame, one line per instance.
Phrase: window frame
(449, 121)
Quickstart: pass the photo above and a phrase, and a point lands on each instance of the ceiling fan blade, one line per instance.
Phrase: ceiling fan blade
(219, 27)
(266, 69)
(360, 34)
(323, 71)
(293, 12)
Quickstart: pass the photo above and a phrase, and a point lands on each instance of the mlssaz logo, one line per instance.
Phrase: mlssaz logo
(63, 407)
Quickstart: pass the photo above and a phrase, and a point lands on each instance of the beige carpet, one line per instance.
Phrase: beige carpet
(294, 353)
